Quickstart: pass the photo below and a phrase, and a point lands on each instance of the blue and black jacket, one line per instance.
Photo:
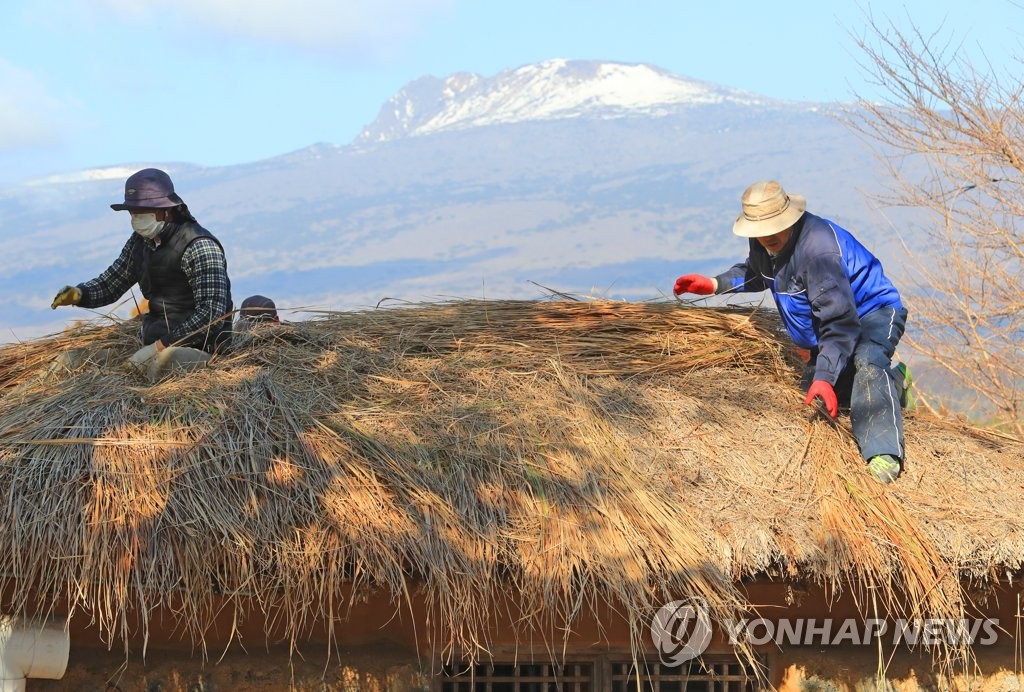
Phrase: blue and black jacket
(823, 282)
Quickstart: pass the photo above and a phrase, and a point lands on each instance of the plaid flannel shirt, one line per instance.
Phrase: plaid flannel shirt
(203, 264)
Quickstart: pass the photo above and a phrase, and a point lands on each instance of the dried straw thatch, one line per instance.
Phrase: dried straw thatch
(562, 453)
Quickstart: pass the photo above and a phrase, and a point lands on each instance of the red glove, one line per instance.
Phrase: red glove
(823, 390)
(694, 283)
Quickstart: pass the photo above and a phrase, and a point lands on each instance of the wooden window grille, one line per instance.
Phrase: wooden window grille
(523, 677)
(699, 675)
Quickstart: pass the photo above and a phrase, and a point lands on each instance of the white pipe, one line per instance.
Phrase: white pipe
(31, 650)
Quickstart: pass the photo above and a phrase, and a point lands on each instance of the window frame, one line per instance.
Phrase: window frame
(602, 667)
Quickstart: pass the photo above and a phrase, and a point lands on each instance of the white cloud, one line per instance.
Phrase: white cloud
(343, 26)
(26, 109)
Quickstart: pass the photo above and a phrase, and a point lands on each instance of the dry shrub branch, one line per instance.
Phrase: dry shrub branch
(952, 138)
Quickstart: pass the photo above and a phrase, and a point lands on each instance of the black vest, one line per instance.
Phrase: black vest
(166, 287)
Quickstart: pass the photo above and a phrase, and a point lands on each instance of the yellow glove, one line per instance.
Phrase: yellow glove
(69, 295)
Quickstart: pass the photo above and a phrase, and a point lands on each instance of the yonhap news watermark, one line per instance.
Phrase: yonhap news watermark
(682, 630)
(838, 632)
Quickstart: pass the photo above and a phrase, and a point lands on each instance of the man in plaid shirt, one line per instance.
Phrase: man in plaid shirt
(179, 266)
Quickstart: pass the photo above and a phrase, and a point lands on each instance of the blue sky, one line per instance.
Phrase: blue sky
(88, 83)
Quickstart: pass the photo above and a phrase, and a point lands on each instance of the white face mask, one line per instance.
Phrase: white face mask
(146, 225)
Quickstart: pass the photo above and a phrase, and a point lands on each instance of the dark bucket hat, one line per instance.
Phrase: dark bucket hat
(150, 188)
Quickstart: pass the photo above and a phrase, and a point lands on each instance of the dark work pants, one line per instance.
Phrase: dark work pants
(155, 327)
(871, 387)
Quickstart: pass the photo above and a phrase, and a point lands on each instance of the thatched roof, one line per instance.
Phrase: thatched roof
(568, 452)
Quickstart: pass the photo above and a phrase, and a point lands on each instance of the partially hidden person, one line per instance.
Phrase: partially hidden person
(181, 270)
(835, 301)
(256, 310)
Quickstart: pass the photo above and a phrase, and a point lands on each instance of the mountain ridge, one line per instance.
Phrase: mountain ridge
(549, 90)
(615, 205)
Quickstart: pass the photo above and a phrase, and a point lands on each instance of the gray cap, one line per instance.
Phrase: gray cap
(258, 308)
(150, 188)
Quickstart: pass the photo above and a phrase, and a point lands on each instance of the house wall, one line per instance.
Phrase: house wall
(995, 661)
(380, 667)
(383, 667)
(377, 650)
(850, 669)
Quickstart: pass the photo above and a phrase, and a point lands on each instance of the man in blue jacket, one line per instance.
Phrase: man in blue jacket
(835, 301)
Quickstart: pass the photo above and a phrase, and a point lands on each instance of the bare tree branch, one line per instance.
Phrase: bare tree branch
(952, 140)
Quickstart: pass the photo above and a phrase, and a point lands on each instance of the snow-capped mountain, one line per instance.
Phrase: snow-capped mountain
(550, 90)
(577, 176)
(106, 173)
(109, 173)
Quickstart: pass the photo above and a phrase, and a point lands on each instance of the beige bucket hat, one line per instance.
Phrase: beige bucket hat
(768, 210)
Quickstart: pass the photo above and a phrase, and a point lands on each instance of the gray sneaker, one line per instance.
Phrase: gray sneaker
(885, 468)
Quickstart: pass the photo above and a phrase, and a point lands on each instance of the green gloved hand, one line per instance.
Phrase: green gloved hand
(69, 295)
